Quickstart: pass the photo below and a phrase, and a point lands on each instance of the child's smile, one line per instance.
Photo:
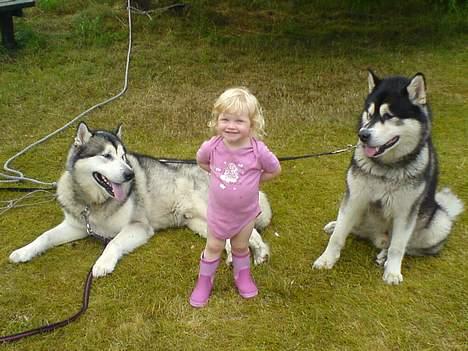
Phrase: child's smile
(234, 128)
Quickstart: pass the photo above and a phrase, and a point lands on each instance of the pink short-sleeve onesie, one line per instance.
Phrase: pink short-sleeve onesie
(234, 183)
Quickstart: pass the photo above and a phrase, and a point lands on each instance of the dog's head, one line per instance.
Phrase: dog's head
(98, 163)
(396, 119)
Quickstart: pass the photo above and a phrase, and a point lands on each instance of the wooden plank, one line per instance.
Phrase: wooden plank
(11, 5)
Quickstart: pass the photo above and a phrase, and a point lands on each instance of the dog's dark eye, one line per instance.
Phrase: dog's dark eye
(107, 156)
(387, 116)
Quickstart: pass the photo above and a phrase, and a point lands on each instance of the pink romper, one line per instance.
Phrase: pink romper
(234, 183)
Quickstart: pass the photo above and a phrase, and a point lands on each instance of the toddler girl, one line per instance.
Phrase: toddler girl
(237, 162)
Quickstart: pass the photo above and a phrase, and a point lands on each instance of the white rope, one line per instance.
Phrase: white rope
(9, 204)
(19, 175)
(157, 11)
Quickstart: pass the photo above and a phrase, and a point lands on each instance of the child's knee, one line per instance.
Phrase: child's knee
(240, 248)
(215, 246)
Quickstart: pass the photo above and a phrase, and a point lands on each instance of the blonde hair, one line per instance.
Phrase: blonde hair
(239, 100)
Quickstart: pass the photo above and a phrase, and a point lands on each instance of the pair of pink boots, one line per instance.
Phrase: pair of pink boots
(242, 278)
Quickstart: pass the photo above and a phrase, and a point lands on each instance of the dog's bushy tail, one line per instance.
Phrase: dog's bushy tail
(431, 239)
(449, 202)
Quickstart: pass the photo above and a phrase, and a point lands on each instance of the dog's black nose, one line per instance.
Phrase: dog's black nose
(364, 135)
(128, 176)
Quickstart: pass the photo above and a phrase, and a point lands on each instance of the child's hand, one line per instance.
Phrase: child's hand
(268, 176)
(205, 166)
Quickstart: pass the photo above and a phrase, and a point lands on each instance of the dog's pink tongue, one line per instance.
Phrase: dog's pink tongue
(119, 193)
(370, 151)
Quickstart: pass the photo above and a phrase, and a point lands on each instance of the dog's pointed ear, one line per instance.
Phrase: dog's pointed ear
(83, 134)
(372, 79)
(417, 89)
(118, 131)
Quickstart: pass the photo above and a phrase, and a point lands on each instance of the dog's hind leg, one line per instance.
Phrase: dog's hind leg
(127, 240)
(228, 249)
(260, 249)
(63, 233)
(381, 257)
(430, 238)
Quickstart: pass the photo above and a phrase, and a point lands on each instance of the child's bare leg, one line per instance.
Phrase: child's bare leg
(240, 242)
(214, 247)
(209, 261)
(241, 262)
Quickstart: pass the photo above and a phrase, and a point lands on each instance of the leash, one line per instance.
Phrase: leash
(349, 147)
(25, 190)
(86, 293)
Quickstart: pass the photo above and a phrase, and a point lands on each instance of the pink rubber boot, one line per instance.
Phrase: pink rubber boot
(202, 291)
(242, 277)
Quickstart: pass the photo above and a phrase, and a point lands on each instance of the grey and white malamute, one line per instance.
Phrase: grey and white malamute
(391, 196)
(129, 197)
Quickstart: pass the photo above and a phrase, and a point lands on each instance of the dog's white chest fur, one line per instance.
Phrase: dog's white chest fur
(393, 197)
(109, 225)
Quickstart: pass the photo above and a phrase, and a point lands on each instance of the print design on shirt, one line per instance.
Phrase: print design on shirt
(231, 174)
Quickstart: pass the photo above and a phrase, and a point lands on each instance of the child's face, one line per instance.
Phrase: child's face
(235, 128)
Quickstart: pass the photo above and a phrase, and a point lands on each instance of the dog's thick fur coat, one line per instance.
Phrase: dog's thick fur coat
(391, 196)
(129, 197)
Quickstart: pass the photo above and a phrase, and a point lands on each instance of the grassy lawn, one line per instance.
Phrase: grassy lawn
(306, 62)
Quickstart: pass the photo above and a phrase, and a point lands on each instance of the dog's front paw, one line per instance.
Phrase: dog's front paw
(392, 278)
(22, 255)
(325, 261)
(103, 266)
(330, 227)
(261, 254)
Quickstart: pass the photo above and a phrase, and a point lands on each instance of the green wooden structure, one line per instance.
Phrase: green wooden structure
(8, 9)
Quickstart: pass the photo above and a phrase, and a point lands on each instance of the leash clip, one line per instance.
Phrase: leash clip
(89, 230)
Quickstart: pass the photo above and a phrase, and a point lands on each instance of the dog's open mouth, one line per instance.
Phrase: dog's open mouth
(379, 150)
(113, 189)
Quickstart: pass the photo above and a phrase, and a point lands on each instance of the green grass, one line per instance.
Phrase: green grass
(306, 62)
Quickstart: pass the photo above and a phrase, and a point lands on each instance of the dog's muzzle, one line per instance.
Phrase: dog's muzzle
(129, 175)
(364, 135)
(371, 150)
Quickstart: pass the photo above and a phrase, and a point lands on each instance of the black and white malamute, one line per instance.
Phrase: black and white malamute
(129, 197)
(391, 196)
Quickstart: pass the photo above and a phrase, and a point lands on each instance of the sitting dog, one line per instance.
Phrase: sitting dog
(391, 196)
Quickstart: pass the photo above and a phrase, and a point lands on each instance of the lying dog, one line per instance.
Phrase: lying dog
(129, 197)
(391, 194)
